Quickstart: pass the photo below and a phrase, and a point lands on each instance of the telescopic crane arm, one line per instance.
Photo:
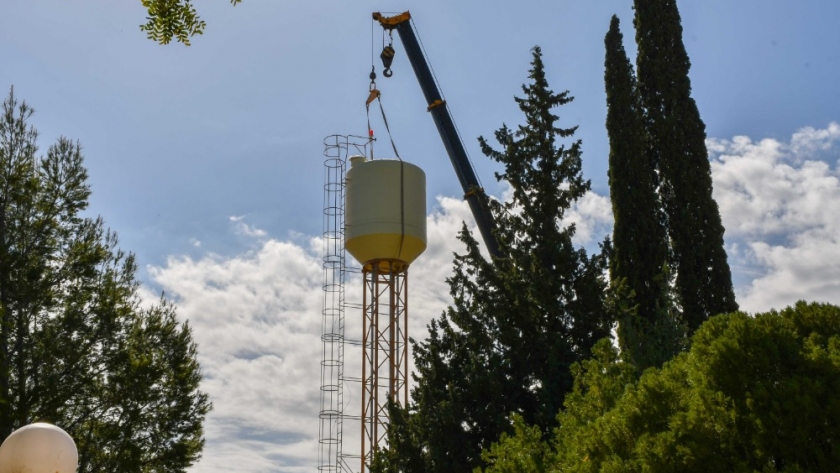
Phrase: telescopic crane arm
(473, 193)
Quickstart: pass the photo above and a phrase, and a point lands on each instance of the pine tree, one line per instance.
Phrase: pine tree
(75, 347)
(677, 142)
(649, 332)
(517, 324)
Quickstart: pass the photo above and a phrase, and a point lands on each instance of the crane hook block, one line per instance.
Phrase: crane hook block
(387, 57)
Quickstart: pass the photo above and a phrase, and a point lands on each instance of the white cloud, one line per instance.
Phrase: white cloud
(593, 219)
(810, 142)
(778, 204)
(257, 320)
(242, 228)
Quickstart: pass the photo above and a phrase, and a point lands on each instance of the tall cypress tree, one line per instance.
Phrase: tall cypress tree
(517, 324)
(677, 142)
(640, 240)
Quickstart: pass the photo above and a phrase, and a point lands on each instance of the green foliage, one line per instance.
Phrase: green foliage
(75, 347)
(517, 324)
(599, 383)
(676, 140)
(647, 343)
(404, 452)
(522, 451)
(753, 394)
(170, 19)
(649, 334)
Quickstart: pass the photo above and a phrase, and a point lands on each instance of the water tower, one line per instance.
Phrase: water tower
(385, 231)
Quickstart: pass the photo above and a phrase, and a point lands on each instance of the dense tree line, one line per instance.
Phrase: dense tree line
(76, 348)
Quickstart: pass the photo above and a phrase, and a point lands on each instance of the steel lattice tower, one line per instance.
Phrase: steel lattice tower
(375, 211)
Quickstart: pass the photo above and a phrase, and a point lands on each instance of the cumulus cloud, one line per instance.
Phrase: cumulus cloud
(257, 319)
(778, 202)
(593, 219)
(242, 228)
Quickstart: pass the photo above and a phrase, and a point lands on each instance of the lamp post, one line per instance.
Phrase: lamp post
(39, 448)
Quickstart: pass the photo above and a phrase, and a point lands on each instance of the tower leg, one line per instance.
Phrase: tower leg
(385, 350)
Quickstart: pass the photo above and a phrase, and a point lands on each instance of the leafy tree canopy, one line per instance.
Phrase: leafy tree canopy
(173, 19)
(76, 348)
(753, 394)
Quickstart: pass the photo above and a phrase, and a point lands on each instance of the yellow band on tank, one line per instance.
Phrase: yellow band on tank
(385, 246)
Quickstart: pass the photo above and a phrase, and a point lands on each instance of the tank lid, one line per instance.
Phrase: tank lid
(357, 159)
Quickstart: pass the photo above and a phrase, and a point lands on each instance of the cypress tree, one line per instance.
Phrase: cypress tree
(676, 137)
(640, 241)
(516, 325)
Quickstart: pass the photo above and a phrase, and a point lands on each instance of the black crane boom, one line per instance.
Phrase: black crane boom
(473, 192)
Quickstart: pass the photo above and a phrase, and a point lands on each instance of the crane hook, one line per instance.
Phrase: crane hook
(387, 57)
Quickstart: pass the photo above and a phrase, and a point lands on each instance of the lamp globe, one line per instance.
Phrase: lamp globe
(39, 448)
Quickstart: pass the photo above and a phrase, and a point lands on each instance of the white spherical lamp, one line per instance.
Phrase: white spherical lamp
(39, 448)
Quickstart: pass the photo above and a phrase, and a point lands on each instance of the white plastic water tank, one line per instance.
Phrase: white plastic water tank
(385, 210)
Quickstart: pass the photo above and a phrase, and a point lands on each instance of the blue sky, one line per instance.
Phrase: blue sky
(207, 160)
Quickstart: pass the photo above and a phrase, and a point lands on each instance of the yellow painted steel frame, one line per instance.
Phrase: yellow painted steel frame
(385, 350)
(391, 22)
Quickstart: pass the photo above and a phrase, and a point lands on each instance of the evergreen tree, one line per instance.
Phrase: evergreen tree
(649, 333)
(75, 347)
(676, 137)
(517, 324)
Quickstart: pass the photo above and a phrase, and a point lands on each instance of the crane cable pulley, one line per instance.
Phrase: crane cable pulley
(387, 54)
(387, 57)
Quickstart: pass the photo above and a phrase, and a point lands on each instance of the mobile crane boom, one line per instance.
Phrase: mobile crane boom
(473, 193)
